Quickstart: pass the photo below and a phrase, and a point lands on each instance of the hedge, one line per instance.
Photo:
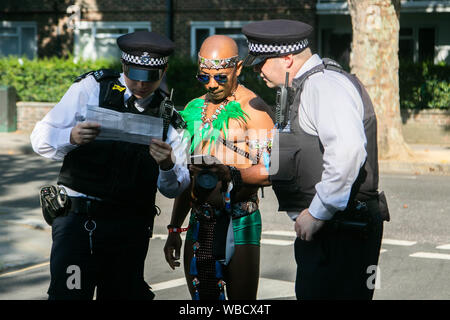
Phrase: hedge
(45, 80)
(422, 85)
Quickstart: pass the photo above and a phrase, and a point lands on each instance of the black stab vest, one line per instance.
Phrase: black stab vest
(300, 162)
(116, 171)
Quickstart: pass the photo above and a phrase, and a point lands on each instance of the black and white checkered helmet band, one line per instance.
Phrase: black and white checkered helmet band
(260, 48)
(145, 60)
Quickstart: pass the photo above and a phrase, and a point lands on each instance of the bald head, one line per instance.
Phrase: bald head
(218, 47)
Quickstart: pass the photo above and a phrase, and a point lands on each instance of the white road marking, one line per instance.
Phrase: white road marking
(164, 236)
(401, 176)
(293, 235)
(444, 246)
(382, 250)
(268, 288)
(168, 284)
(280, 233)
(160, 236)
(25, 269)
(430, 255)
(398, 242)
(276, 242)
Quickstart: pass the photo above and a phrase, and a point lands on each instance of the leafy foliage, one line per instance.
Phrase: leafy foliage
(46, 79)
(422, 85)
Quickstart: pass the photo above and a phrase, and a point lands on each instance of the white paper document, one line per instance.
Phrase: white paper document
(128, 127)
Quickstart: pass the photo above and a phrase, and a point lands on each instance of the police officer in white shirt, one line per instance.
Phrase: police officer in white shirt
(111, 185)
(326, 177)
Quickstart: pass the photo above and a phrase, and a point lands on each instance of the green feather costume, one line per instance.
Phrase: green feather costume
(195, 130)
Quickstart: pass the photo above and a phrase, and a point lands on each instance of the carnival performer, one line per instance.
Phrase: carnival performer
(233, 125)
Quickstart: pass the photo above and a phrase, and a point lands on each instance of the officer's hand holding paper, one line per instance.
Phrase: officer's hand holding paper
(84, 132)
(162, 153)
(128, 127)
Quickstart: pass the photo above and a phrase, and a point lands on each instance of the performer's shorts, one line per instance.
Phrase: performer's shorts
(247, 229)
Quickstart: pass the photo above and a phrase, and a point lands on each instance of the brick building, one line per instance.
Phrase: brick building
(88, 28)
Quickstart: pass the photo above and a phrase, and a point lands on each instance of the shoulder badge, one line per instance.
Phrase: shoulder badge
(99, 75)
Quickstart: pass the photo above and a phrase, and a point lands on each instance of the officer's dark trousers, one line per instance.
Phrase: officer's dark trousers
(115, 267)
(339, 264)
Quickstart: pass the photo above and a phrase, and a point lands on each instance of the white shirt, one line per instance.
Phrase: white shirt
(332, 109)
(51, 136)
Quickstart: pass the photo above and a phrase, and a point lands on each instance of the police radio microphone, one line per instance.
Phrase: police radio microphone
(166, 112)
(281, 113)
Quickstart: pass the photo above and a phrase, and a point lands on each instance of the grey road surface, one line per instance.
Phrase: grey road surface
(414, 263)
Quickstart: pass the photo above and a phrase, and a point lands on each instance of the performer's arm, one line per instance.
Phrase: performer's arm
(172, 248)
(255, 175)
(259, 132)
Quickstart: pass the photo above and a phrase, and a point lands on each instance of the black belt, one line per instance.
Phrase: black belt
(97, 208)
(357, 217)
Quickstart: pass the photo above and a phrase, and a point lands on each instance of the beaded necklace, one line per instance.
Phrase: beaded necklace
(200, 128)
(208, 121)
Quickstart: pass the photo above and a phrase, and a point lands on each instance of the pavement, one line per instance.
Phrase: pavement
(428, 159)
(25, 238)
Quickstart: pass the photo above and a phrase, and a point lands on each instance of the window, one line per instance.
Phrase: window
(416, 44)
(201, 30)
(426, 44)
(406, 44)
(97, 39)
(336, 45)
(18, 38)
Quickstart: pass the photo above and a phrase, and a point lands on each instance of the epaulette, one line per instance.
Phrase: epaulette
(84, 75)
(99, 75)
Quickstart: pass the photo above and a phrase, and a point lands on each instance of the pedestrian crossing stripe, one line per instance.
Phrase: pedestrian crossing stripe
(276, 242)
(24, 269)
(430, 255)
(267, 288)
(398, 242)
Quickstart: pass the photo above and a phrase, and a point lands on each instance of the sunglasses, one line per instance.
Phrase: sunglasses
(219, 78)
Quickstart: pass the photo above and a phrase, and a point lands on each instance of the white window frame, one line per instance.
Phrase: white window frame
(18, 25)
(415, 38)
(212, 26)
(94, 25)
